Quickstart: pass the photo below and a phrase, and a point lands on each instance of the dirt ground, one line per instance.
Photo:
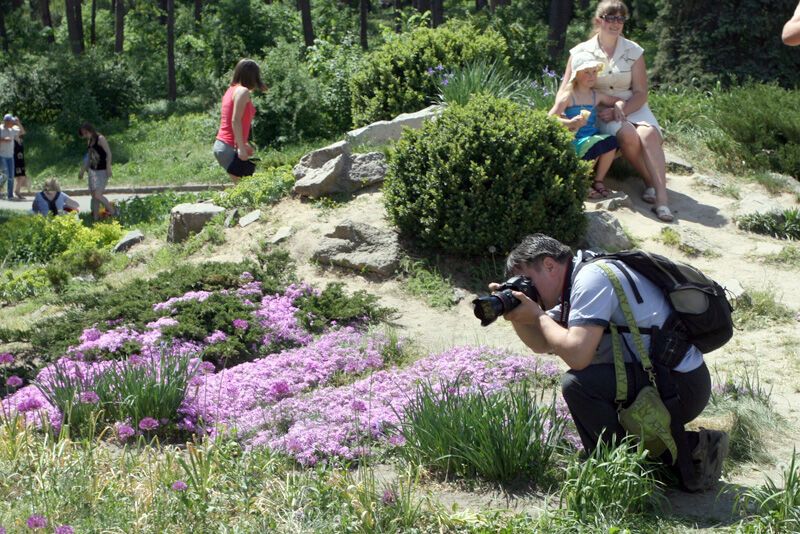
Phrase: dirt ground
(699, 209)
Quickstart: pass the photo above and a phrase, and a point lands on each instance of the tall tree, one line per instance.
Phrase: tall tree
(172, 87)
(3, 31)
(363, 25)
(119, 26)
(92, 34)
(198, 11)
(74, 25)
(480, 4)
(47, 20)
(558, 20)
(437, 13)
(305, 15)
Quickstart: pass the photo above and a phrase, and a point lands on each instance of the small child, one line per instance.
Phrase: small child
(575, 109)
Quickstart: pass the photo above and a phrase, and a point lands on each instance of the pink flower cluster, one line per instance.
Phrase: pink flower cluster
(199, 296)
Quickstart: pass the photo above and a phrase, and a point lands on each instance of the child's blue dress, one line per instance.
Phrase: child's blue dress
(589, 143)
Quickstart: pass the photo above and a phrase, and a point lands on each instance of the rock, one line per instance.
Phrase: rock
(130, 239)
(458, 295)
(318, 158)
(677, 165)
(616, 201)
(365, 170)
(360, 247)
(187, 219)
(319, 182)
(383, 131)
(250, 218)
(604, 232)
(283, 233)
(691, 243)
(231, 217)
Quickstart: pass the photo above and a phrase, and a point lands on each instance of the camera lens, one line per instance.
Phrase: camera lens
(488, 309)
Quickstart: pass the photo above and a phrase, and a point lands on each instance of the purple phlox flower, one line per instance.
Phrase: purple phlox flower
(358, 406)
(217, 336)
(124, 431)
(13, 381)
(6, 358)
(162, 322)
(89, 397)
(2, 530)
(148, 423)
(207, 368)
(28, 405)
(429, 71)
(179, 485)
(240, 324)
(65, 529)
(397, 440)
(279, 390)
(246, 277)
(36, 521)
(389, 497)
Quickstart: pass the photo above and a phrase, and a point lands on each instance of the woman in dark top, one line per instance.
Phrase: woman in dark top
(98, 162)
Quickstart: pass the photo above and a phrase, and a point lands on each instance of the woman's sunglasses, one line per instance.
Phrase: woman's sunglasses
(614, 18)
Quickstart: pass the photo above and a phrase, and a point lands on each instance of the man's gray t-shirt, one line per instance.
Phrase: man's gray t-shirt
(593, 302)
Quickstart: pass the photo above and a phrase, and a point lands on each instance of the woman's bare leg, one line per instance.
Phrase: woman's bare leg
(631, 145)
(234, 179)
(655, 160)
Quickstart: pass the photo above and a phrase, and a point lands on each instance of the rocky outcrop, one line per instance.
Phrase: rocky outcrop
(340, 173)
(188, 219)
(603, 232)
(383, 131)
(360, 247)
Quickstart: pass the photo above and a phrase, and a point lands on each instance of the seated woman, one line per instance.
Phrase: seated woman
(52, 200)
(624, 76)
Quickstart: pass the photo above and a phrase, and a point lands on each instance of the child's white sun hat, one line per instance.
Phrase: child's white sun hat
(583, 61)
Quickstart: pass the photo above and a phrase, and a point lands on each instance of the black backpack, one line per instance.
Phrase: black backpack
(702, 312)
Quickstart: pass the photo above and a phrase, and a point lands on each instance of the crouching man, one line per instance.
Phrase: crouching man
(577, 308)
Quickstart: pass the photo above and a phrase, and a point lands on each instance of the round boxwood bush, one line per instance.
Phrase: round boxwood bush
(484, 175)
(403, 75)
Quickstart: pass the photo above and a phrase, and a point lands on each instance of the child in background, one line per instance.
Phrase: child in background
(575, 109)
(20, 176)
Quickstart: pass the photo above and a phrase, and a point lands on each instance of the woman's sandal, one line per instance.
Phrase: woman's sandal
(598, 190)
(663, 213)
(649, 195)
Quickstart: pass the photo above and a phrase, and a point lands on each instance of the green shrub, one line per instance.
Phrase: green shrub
(152, 208)
(484, 175)
(525, 33)
(500, 436)
(763, 123)
(760, 309)
(316, 311)
(334, 65)
(614, 481)
(397, 77)
(264, 187)
(781, 224)
(19, 286)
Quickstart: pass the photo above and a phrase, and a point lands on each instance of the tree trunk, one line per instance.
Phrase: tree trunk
(74, 25)
(363, 25)
(119, 26)
(162, 6)
(494, 4)
(198, 12)
(16, 4)
(172, 86)
(423, 5)
(437, 13)
(3, 32)
(94, 18)
(559, 17)
(480, 4)
(305, 15)
(47, 20)
(398, 16)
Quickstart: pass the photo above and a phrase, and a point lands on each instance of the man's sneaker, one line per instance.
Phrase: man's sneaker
(708, 457)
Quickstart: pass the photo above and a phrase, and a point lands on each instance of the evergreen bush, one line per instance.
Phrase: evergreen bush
(484, 175)
(397, 77)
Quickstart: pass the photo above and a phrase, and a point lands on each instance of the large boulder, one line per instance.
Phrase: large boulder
(343, 173)
(360, 247)
(383, 131)
(318, 158)
(603, 232)
(188, 219)
(130, 239)
(318, 182)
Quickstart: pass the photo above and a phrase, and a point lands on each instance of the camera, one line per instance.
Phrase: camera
(489, 308)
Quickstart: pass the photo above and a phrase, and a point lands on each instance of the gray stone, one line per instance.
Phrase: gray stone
(458, 295)
(130, 239)
(283, 233)
(319, 182)
(691, 243)
(187, 219)
(709, 182)
(365, 170)
(383, 131)
(250, 218)
(360, 247)
(231, 217)
(604, 232)
(319, 157)
(677, 165)
(616, 201)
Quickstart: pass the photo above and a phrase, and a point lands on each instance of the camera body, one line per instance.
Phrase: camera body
(489, 308)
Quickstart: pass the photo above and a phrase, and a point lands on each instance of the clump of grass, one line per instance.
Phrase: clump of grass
(670, 237)
(772, 508)
(616, 480)
(759, 309)
(754, 421)
(789, 256)
(774, 183)
(481, 76)
(498, 436)
(426, 281)
(780, 224)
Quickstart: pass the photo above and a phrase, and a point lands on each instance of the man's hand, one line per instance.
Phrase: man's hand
(527, 312)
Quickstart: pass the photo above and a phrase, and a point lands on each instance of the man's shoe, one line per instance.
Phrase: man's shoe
(708, 457)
